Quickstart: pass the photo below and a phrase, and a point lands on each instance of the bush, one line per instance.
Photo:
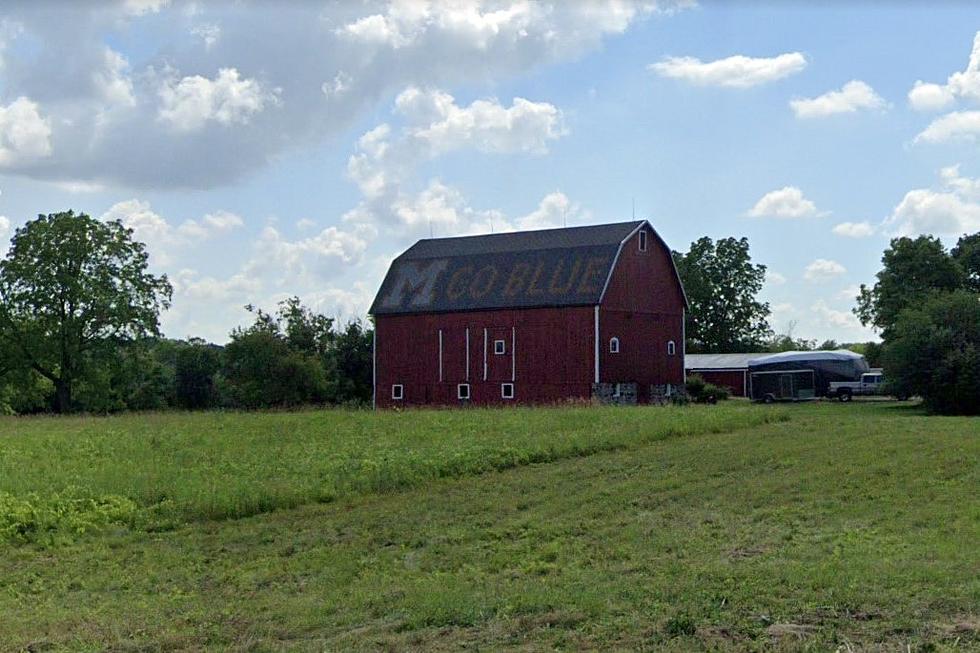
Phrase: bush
(934, 352)
(700, 391)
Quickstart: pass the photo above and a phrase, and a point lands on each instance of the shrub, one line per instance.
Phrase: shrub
(700, 391)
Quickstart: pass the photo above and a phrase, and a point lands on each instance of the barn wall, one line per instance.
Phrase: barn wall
(734, 380)
(643, 307)
(549, 354)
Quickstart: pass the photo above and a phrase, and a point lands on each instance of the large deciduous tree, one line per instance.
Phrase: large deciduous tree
(71, 286)
(914, 268)
(722, 283)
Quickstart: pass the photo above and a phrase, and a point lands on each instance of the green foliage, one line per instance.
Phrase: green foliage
(60, 516)
(701, 391)
(967, 254)
(196, 366)
(182, 467)
(721, 285)
(934, 352)
(913, 268)
(71, 289)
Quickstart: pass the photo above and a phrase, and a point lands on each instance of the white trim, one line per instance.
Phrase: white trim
(671, 348)
(440, 355)
(401, 392)
(503, 347)
(612, 268)
(467, 354)
(513, 354)
(596, 344)
(459, 392)
(374, 368)
(485, 339)
(503, 395)
(614, 341)
(641, 242)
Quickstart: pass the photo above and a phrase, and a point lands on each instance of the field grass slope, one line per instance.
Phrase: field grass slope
(847, 528)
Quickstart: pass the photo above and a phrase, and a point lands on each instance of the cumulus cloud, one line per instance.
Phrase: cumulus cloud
(25, 135)
(737, 71)
(952, 209)
(855, 95)
(823, 270)
(833, 317)
(954, 126)
(189, 103)
(854, 229)
(787, 202)
(269, 81)
(775, 278)
(928, 96)
(163, 238)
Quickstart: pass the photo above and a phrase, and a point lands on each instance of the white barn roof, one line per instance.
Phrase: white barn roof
(718, 361)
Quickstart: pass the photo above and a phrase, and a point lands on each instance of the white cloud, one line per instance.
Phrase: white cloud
(833, 317)
(113, 80)
(954, 126)
(854, 229)
(787, 202)
(849, 293)
(737, 71)
(926, 96)
(930, 97)
(189, 103)
(823, 270)
(775, 278)
(209, 33)
(853, 96)
(305, 224)
(141, 7)
(164, 239)
(951, 210)
(24, 134)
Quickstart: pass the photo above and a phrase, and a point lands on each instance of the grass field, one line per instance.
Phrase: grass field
(847, 527)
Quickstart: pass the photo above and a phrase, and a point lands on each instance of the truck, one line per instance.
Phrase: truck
(871, 383)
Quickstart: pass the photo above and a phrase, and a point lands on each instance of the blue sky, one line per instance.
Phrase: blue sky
(264, 152)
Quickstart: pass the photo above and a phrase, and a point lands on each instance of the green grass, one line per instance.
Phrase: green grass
(849, 527)
(62, 477)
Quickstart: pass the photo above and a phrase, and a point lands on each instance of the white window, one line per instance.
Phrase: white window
(671, 348)
(398, 392)
(499, 347)
(463, 391)
(617, 391)
(614, 345)
(507, 390)
(643, 241)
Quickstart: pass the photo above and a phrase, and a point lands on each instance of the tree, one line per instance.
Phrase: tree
(722, 283)
(934, 352)
(353, 355)
(967, 254)
(196, 364)
(913, 269)
(71, 287)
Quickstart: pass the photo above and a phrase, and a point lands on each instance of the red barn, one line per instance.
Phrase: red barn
(530, 317)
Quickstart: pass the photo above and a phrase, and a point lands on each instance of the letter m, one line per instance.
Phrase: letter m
(414, 284)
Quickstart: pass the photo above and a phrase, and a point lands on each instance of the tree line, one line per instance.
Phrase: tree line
(79, 331)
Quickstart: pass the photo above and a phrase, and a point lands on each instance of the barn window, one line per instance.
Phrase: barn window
(499, 347)
(671, 348)
(463, 391)
(614, 345)
(398, 392)
(506, 390)
(643, 241)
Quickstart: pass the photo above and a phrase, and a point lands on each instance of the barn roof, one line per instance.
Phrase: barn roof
(524, 269)
(718, 361)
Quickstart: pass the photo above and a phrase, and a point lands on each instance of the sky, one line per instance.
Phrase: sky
(264, 150)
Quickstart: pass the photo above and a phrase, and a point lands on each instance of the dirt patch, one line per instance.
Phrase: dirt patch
(744, 552)
(781, 631)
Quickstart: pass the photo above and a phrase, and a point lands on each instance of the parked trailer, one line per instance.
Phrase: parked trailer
(810, 373)
(783, 385)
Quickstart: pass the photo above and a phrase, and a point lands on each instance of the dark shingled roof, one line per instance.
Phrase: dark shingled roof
(550, 267)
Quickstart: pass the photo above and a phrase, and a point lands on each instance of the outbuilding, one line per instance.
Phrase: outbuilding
(725, 370)
(530, 317)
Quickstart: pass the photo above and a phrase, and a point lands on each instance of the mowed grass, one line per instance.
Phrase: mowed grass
(850, 527)
(60, 477)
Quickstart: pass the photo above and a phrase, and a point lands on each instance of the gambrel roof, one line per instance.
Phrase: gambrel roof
(523, 269)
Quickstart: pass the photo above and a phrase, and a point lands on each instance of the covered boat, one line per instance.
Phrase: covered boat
(801, 375)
